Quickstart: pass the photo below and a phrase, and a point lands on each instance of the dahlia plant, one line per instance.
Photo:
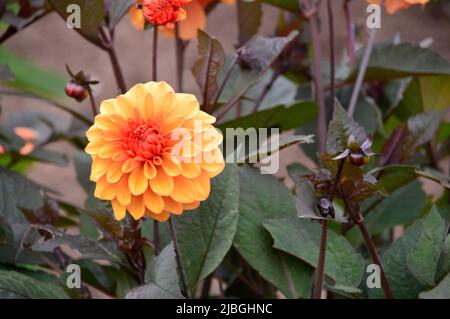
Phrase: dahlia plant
(180, 188)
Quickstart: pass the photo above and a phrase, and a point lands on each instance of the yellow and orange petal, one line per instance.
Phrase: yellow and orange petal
(137, 18)
(392, 6)
(149, 156)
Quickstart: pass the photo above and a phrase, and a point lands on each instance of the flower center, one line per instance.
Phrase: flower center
(145, 142)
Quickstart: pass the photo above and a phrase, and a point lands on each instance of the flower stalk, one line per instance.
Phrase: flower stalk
(180, 264)
(358, 219)
(155, 54)
(320, 271)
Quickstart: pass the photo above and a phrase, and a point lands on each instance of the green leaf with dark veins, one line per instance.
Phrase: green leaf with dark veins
(264, 197)
(340, 128)
(301, 238)
(208, 66)
(161, 278)
(206, 233)
(27, 287)
(423, 260)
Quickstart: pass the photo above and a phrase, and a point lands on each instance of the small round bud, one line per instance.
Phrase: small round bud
(76, 91)
(357, 159)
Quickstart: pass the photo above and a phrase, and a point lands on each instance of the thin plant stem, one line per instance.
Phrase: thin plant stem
(362, 72)
(318, 81)
(108, 45)
(359, 220)
(220, 283)
(206, 287)
(350, 33)
(320, 271)
(321, 132)
(179, 57)
(154, 78)
(332, 58)
(92, 101)
(155, 54)
(265, 91)
(225, 80)
(181, 269)
(156, 237)
(117, 70)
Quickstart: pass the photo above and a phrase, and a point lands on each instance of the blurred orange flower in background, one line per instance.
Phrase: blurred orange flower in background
(135, 142)
(195, 19)
(29, 136)
(164, 12)
(392, 6)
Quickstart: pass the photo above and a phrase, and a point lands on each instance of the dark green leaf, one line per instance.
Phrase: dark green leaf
(48, 156)
(441, 291)
(205, 234)
(301, 238)
(291, 5)
(418, 247)
(391, 61)
(262, 198)
(282, 117)
(402, 206)
(86, 248)
(340, 128)
(27, 287)
(208, 66)
(17, 192)
(401, 281)
(161, 278)
(423, 259)
(249, 20)
(92, 15)
(435, 93)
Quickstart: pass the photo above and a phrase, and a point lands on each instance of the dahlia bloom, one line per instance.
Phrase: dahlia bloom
(153, 152)
(164, 12)
(195, 19)
(392, 6)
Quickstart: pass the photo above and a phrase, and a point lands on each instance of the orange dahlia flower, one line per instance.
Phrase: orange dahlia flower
(392, 6)
(195, 19)
(153, 152)
(164, 12)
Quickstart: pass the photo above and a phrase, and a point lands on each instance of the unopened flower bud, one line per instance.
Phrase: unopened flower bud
(357, 159)
(76, 91)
